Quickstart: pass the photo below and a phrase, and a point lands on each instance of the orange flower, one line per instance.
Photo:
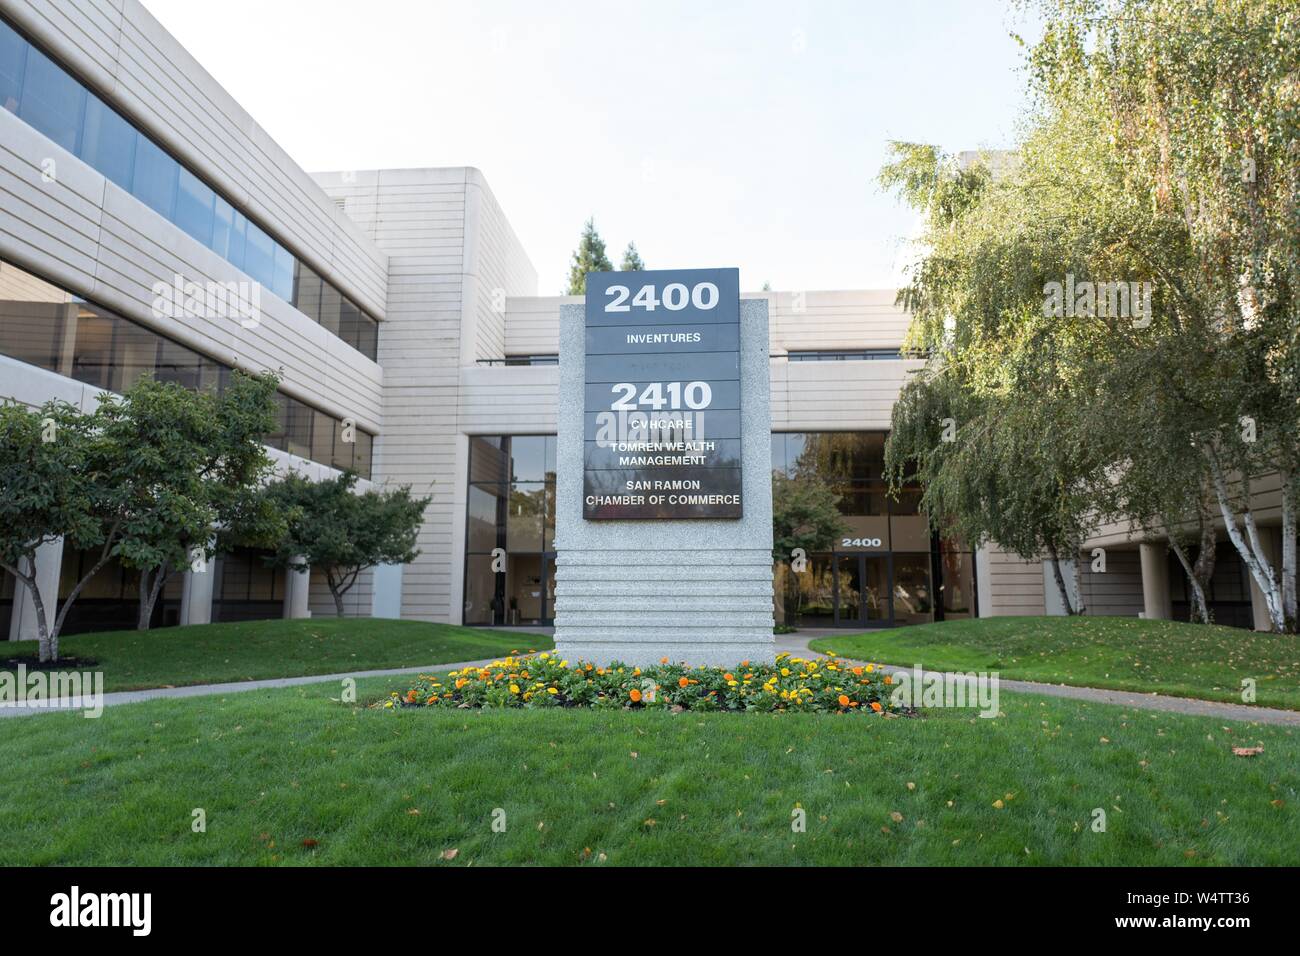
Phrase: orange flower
(683, 682)
(635, 695)
(875, 705)
(844, 700)
(888, 679)
(727, 677)
(411, 696)
(663, 660)
(857, 671)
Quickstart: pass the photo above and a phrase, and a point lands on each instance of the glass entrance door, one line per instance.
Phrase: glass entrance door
(862, 591)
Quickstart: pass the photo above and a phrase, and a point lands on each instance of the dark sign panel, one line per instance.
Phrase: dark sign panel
(662, 395)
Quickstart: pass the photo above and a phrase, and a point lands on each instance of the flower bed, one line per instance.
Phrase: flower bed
(791, 684)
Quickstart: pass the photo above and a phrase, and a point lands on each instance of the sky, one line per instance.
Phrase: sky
(712, 134)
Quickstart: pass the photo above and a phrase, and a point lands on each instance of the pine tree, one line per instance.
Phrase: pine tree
(632, 261)
(588, 257)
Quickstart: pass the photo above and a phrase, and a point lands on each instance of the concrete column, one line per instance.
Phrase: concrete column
(196, 594)
(297, 592)
(1271, 541)
(1156, 602)
(984, 582)
(49, 561)
(386, 591)
(1052, 603)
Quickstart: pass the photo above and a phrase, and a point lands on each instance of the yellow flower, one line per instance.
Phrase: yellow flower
(552, 690)
(785, 672)
(514, 688)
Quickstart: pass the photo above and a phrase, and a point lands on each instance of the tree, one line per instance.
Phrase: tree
(1191, 110)
(333, 528)
(190, 485)
(49, 489)
(632, 261)
(588, 257)
(148, 477)
(1160, 151)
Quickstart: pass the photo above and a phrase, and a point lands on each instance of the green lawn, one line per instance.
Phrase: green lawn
(253, 650)
(1121, 653)
(293, 777)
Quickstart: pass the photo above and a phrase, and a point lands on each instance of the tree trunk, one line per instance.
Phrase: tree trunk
(46, 650)
(1060, 581)
(1200, 609)
(1289, 616)
(104, 556)
(1203, 570)
(1252, 553)
(149, 591)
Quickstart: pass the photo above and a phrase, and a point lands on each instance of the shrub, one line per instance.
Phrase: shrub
(827, 685)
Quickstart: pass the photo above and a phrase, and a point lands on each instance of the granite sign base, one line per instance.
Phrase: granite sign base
(699, 590)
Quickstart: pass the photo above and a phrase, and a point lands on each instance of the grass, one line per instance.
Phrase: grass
(255, 650)
(1119, 653)
(294, 777)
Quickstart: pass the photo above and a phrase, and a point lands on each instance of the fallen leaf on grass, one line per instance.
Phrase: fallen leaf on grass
(450, 854)
(1247, 751)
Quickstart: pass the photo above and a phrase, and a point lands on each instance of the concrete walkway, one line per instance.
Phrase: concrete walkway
(233, 687)
(793, 644)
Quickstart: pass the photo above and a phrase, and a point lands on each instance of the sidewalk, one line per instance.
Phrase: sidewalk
(233, 687)
(794, 644)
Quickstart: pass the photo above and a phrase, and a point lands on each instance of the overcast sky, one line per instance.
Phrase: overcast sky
(712, 133)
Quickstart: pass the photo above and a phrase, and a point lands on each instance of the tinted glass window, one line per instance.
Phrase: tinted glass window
(282, 273)
(223, 224)
(322, 437)
(52, 100)
(31, 332)
(156, 173)
(298, 429)
(74, 338)
(368, 339)
(365, 449)
(343, 449)
(259, 255)
(13, 64)
(331, 306)
(108, 143)
(194, 201)
(307, 289)
(528, 457)
(349, 323)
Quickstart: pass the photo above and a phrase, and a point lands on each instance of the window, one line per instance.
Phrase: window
(52, 101)
(108, 143)
(52, 330)
(154, 179)
(259, 255)
(850, 355)
(510, 504)
(13, 65)
(58, 105)
(194, 205)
